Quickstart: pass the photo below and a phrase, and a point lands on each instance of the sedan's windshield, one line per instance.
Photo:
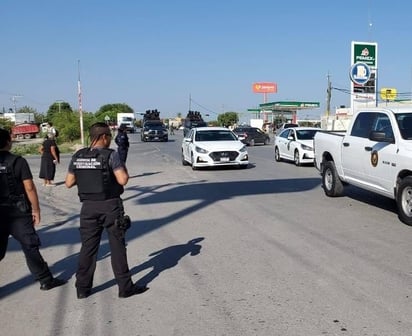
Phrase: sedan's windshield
(215, 135)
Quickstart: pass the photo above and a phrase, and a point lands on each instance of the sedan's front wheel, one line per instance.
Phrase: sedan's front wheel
(297, 158)
(184, 162)
(277, 155)
(193, 162)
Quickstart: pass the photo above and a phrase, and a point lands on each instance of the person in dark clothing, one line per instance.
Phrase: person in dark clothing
(122, 142)
(20, 212)
(50, 157)
(100, 176)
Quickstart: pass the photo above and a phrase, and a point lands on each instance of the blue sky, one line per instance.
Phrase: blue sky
(157, 54)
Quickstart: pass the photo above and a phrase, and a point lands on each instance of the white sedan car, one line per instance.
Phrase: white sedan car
(213, 146)
(295, 144)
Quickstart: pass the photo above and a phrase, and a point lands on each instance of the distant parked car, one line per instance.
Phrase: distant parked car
(295, 144)
(284, 126)
(252, 135)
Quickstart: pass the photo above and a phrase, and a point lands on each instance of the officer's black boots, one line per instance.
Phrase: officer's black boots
(134, 291)
(54, 282)
(82, 294)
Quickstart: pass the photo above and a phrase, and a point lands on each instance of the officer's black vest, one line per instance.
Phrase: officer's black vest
(9, 188)
(94, 177)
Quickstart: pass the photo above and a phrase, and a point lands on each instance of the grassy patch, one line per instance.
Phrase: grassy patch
(33, 149)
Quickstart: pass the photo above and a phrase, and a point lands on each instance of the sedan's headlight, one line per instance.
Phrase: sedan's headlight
(243, 149)
(200, 150)
(305, 147)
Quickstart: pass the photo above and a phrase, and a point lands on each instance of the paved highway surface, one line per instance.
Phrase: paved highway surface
(228, 252)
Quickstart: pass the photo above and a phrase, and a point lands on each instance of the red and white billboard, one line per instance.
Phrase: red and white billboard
(265, 87)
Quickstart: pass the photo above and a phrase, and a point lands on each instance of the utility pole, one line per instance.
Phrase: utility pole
(14, 99)
(79, 92)
(329, 96)
(190, 102)
(60, 105)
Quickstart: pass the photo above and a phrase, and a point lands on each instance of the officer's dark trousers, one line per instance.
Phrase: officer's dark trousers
(122, 154)
(22, 229)
(95, 216)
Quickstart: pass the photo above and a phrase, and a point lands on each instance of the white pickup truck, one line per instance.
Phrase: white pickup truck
(374, 154)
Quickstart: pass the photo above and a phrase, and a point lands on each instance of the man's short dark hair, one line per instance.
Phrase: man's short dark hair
(5, 137)
(98, 129)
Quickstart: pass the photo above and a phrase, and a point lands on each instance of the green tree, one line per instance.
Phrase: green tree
(26, 109)
(228, 119)
(111, 110)
(6, 124)
(57, 107)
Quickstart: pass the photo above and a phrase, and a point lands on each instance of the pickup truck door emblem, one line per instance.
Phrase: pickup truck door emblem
(374, 158)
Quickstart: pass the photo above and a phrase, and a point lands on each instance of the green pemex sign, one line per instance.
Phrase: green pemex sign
(365, 53)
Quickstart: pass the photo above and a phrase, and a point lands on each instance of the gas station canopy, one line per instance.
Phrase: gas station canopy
(291, 106)
(284, 109)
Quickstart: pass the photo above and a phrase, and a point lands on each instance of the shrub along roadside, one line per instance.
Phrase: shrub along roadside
(33, 149)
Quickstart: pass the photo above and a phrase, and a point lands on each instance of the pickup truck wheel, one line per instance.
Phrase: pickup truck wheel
(404, 200)
(277, 155)
(297, 159)
(332, 185)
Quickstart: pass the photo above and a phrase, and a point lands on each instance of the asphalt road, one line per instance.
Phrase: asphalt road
(227, 252)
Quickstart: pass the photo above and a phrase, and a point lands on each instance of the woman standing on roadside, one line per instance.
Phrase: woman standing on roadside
(50, 156)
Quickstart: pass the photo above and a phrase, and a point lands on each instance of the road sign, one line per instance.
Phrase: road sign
(360, 73)
(388, 94)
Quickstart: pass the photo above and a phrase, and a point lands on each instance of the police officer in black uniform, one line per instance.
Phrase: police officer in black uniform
(20, 211)
(100, 176)
(122, 142)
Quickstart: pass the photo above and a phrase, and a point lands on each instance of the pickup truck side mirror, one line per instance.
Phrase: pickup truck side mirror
(380, 137)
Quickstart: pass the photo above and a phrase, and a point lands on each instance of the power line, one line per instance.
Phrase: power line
(203, 107)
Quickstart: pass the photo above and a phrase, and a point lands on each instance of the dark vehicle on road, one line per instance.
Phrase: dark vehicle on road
(192, 120)
(154, 131)
(284, 126)
(252, 135)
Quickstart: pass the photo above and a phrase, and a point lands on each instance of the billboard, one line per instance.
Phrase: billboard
(363, 74)
(265, 87)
